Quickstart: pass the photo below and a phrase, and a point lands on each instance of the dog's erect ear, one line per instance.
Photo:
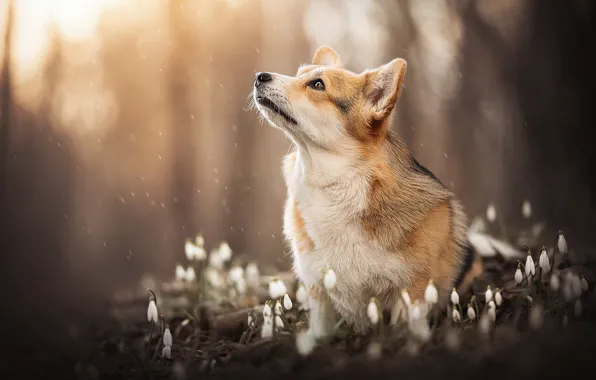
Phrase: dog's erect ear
(325, 56)
(383, 88)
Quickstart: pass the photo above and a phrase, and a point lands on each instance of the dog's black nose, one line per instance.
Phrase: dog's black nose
(262, 78)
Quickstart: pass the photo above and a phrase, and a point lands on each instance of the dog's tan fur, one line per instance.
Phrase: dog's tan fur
(357, 201)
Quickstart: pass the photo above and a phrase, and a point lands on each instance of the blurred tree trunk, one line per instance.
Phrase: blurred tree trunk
(182, 149)
(5, 104)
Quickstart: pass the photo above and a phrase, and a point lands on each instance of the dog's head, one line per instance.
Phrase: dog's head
(327, 107)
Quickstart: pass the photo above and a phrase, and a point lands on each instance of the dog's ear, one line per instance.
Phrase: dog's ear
(325, 56)
(383, 88)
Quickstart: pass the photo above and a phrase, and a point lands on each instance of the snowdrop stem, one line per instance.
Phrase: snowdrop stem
(155, 353)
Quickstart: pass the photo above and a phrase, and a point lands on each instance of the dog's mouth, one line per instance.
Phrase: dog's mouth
(265, 102)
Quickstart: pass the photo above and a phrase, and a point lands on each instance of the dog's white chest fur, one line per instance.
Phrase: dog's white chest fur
(363, 268)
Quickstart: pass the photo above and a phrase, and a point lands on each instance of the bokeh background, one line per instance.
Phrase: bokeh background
(124, 127)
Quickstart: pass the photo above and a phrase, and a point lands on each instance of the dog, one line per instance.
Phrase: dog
(358, 202)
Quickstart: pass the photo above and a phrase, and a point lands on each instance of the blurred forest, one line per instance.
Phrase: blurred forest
(124, 127)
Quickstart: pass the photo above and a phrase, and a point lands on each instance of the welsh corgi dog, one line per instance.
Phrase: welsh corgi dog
(357, 200)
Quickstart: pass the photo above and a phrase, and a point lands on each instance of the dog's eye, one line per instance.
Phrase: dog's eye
(317, 84)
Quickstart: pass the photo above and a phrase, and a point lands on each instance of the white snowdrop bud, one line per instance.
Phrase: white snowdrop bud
(167, 337)
(191, 275)
(305, 343)
(301, 294)
(415, 312)
(577, 308)
(330, 279)
(241, 286)
(456, 315)
(519, 276)
(491, 305)
(152, 312)
(491, 213)
(471, 313)
(530, 268)
(527, 209)
(562, 243)
(584, 283)
(492, 314)
(488, 295)
(166, 352)
(277, 288)
(454, 297)
(267, 328)
(180, 273)
(225, 252)
(484, 324)
(215, 259)
(199, 240)
(287, 302)
(536, 316)
(278, 309)
(189, 250)
(555, 282)
(543, 261)
(267, 310)
(236, 273)
(406, 297)
(373, 311)
(430, 293)
(252, 275)
(498, 297)
(278, 322)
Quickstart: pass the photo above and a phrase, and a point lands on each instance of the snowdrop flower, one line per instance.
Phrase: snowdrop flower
(215, 259)
(530, 268)
(277, 288)
(305, 343)
(484, 324)
(471, 313)
(456, 315)
(406, 297)
(214, 278)
(166, 352)
(488, 295)
(191, 275)
(252, 275)
(543, 261)
(267, 310)
(431, 295)
(555, 282)
(235, 273)
(498, 297)
(491, 213)
(267, 328)
(562, 243)
(287, 302)
(527, 209)
(373, 311)
(279, 323)
(330, 279)
(167, 337)
(180, 273)
(454, 297)
(415, 312)
(519, 276)
(199, 240)
(194, 252)
(492, 312)
(152, 311)
(225, 252)
(584, 283)
(278, 310)
(241, 286)
(572, 287)
(301, 294)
